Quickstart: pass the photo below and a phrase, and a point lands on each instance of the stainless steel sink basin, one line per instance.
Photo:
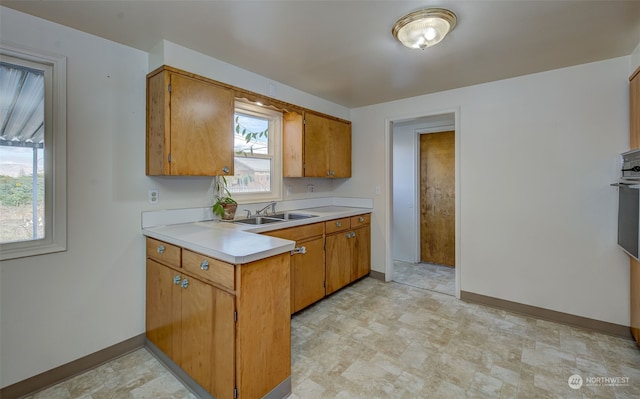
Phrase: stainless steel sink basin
(259, 220)
(278, 217)
(292, 216)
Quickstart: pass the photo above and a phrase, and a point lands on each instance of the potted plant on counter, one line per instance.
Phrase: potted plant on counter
(223, 206)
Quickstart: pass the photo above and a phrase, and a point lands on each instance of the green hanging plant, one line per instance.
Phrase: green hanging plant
(224, 205)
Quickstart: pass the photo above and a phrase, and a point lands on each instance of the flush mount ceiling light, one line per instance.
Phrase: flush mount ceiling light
(424, 28)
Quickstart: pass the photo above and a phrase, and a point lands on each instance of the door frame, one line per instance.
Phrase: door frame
(389, 192)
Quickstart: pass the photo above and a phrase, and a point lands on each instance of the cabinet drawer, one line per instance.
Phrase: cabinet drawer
(360, 220)
(163, 252)
(298, 233)
(337, 225)
(210, 269)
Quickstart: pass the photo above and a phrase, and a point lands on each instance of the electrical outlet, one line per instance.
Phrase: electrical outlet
(378, 190)
(154, 196)
(310, 188)
(289, 190)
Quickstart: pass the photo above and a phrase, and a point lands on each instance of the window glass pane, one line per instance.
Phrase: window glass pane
(252, 175)
(251, 135)
(22, 187)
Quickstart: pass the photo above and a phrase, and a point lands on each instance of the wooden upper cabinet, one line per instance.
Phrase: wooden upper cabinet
(316, 145)
(189, 125)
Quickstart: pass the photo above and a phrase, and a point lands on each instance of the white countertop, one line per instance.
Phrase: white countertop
(239, 243)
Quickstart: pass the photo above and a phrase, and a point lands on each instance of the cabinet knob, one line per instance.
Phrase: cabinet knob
(176, 279)
(160, 249)
(204, 265)
(338, 224)
(185, 283)
(361, 219)
(225, 170)
(353, 234)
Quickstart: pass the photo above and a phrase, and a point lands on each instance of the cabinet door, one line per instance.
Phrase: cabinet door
(308, 274)
(163, 309)
(338, 260)
(317, 144)
(361, 252)
(340, 149)
(201, 127)
(208, 336)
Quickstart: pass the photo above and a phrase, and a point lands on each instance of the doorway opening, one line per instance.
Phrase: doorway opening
(424, 202)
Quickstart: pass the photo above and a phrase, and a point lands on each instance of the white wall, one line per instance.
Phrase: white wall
(538, 218)
(57, 308)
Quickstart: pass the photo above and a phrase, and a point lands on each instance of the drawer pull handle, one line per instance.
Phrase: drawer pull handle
(225, 170)
(185, 283)
(338, 224)
(176, 279)
(299, 250)
(160, 249)
(204, 265)
(361, 219)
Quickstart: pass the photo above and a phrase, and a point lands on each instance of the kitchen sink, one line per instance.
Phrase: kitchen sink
(259, 220)
(292, 216)
(278, 217)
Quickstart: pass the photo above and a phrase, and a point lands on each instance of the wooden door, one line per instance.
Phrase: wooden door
(361, 252)
(201, 127)
(208, 336)
(437, 198)
(634, 140)
(308, 274)
(338, 260)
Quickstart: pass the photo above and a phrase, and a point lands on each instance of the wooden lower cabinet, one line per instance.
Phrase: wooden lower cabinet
(225, 339)
(307, 263)
(336, 253)
(347, 251)
(192, 323)
(338, 263)
(308, 274)
(635, 299)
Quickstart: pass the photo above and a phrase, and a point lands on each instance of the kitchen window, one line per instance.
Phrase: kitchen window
(32, 153)
(258, 162)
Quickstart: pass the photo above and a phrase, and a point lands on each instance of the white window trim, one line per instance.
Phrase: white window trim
(275, 147)
(55, 239)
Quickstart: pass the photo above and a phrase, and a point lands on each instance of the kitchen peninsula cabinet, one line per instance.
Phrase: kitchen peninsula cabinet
(307, 264)
(226, 326)
(634, 140)
(347, 251)
(316, 145)
(189, 125)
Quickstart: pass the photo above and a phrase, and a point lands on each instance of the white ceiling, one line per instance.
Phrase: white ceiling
(343, 51)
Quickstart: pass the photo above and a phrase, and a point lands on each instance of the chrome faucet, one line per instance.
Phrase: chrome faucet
(272, 204)
(248, 212)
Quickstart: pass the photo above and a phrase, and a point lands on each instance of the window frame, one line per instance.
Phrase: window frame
(55, 164)
(275, 153)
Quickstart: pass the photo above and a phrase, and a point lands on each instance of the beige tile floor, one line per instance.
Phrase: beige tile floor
(388, 340)
(426, 276)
